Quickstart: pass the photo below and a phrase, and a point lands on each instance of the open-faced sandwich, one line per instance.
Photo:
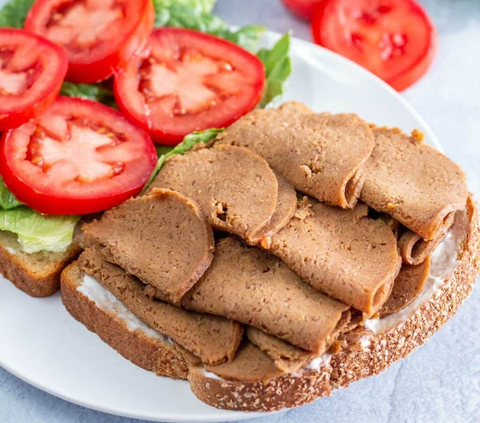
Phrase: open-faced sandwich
(267, 263)
(295, 253)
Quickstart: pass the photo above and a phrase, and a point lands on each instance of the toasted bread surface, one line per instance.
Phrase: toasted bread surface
(36, 274)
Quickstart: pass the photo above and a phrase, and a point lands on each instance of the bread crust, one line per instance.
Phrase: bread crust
(349, 365)
(30, 280)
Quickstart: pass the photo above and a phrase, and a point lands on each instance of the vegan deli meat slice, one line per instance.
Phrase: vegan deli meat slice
(321, 155)
(286, 357)
(284, 210)
(412, 182)
(251, 286)
(408, 286)
(342, 253)
(235, 188)
(162, 238)
(414, 249)
(212, 338)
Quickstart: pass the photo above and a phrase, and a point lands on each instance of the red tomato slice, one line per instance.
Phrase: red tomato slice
(79, 157)
(188, 81)
(301, 8)
(394, 39)
(97, 34)
(31, 74)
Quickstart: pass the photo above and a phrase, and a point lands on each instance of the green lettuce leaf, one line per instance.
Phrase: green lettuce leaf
(278, 67)
(37, 232)
(13, 14)
(184, 16)
(7, 200)
(95, 92)
(205, 6)
(188, 143)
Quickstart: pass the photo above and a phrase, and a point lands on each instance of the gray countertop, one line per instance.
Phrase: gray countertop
(441, 381)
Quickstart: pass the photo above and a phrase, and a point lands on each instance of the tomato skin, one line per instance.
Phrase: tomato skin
(98, 69)
(169, 130)
(59, 200)
(54, 62)
(302, 8)
(418, 46)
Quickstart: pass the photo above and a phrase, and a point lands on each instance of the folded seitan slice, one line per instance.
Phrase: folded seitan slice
(414, 249)
(321, 155)
(412, 182)
(286, 357)
(284, 210)
(253, 287)
(162, 238)
(235, 188)
(342, 253)
(407, 287)
(213, 339)
(249, 365)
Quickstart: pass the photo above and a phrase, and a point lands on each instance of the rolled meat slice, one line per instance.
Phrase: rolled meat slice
(234, 187)
(321, 155)
(414, 183)
(407, 287)
(286, 357)
(284, 210)
(213, 339)
(249, 365)
(342, 253)
(414, 249)
(162, 238)
(251, 286)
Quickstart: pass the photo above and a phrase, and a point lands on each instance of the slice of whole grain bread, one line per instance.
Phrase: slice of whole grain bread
(355, 361)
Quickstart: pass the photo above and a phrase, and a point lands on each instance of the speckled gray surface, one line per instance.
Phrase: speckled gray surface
(441, 381)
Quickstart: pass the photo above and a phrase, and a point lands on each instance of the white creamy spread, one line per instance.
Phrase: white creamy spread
(210, 375)
(319, 362)
(106, 301)
(11, 250)
(443, 264)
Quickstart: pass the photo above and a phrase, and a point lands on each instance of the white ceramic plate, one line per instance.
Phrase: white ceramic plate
(43, 345)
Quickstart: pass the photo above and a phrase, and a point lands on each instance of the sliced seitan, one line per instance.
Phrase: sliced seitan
(235, 188)
(287, 357)
(414, 249)
(284, 210)
(342, 253)
(407, 287)
(249, 365)
(414, 183)
(162, 238)
(321, 155)
(253, 287)
(214, 339)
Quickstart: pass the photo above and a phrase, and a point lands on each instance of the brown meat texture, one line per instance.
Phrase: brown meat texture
(342, 253)
(321, 155)
(212, 338)
(286, 357)
(235, 188)
(251, 286)
(414, 249)
(284, 210)
(249, 365)
(162, 238)
(407, 287)
(412, 182)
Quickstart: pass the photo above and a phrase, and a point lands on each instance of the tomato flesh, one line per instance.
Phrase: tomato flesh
(188, 81)
(79, 157)
(98, 35)
(394, 39)
(31, 73)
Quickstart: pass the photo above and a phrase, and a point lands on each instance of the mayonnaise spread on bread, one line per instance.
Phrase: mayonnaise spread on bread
(106, 301)
(443, 264)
